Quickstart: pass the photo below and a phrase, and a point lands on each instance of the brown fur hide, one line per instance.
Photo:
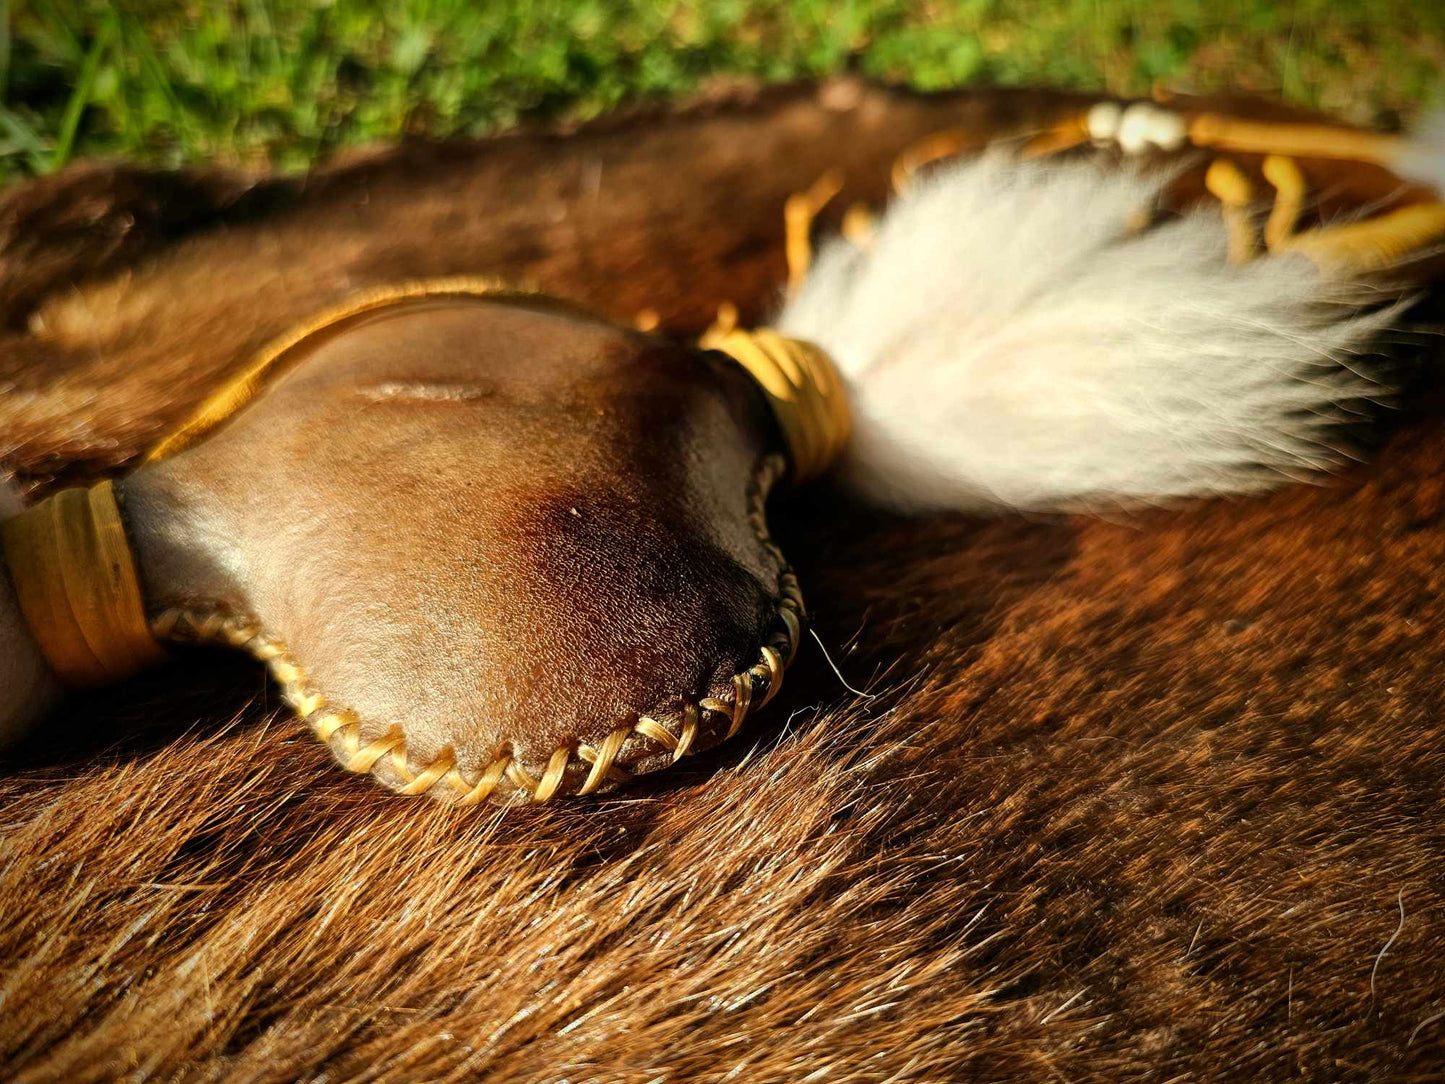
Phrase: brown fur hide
(1157, 799)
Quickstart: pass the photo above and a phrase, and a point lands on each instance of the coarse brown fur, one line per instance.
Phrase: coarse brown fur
(1155, 799)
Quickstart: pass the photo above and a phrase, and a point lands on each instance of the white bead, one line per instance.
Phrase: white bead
(1102, 121)
(1134, 129)
(1167, 130)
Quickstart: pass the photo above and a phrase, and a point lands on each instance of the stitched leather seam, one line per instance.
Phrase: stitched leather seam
(340, 728)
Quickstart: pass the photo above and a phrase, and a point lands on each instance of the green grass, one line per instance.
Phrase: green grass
(282, 82)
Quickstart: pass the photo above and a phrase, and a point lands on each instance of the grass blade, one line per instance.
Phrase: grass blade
(80, 96)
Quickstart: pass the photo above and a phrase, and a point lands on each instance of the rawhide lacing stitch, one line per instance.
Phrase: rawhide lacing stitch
(340, 729)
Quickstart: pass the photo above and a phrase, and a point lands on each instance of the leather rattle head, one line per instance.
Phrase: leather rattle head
(488, 545)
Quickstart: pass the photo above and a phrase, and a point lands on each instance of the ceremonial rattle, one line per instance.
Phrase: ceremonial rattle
(493, 547)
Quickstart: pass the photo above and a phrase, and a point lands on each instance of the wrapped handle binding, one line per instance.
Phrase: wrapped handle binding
(76, 582)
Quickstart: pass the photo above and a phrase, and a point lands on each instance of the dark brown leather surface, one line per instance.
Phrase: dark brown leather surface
(499, 525)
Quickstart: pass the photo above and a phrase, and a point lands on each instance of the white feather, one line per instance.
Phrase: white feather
(1423, 159)
(1010, 342)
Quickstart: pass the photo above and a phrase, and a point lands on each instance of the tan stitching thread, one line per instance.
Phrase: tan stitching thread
(344, 727)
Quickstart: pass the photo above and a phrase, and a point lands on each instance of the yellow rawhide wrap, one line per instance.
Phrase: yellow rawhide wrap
(803, 388)
(75, 578)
